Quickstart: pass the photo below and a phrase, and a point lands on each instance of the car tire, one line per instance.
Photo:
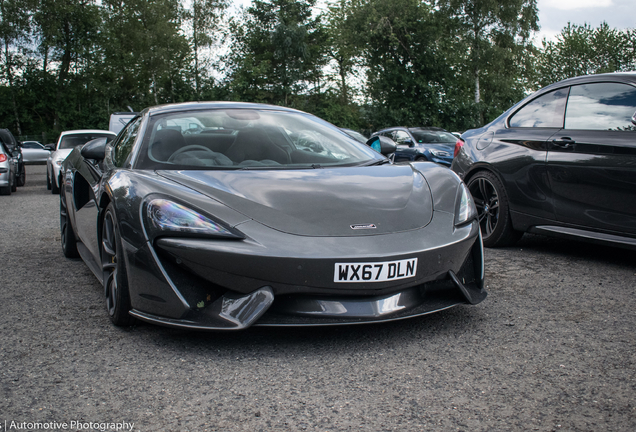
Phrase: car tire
(54, 187)
(22, 177)
(114, 268)
(14, 186)
(48, 180)
(421, 159)
(67, 235)
(493, 208)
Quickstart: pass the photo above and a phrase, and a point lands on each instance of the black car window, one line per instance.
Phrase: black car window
(32, 145)
(601, 106)
(545, 111)
(125, 144)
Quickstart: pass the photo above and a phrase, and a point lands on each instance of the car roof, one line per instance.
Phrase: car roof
(84, 131)
(194, 106)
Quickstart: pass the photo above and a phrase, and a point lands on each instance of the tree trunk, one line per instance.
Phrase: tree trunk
(11, 86)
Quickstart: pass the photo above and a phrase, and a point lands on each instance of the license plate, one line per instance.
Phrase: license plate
(375, 272)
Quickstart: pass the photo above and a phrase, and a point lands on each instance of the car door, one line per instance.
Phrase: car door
(519, 153)
(592, 161)
(404, 143)
(85, 186)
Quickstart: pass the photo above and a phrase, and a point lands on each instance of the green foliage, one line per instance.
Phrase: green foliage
(582, 50)
(363, 64)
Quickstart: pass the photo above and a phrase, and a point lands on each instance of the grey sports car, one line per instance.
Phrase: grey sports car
(263, 215)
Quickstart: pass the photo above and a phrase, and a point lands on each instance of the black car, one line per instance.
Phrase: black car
(562, 162)
(13, 146)
(265, 216)
(420, 144)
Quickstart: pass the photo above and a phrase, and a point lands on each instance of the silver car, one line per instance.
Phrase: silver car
(67, 141)
(34, 153)
(7, 171)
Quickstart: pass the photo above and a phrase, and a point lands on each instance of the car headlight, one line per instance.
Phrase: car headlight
(465, 210)
(165, 216)
(440, 153)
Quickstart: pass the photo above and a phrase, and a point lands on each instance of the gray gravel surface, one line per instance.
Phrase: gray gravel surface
(551, 348)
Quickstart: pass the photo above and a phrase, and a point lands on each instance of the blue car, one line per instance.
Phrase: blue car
(422, 144)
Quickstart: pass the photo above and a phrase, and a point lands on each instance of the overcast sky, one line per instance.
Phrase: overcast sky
(555, 14)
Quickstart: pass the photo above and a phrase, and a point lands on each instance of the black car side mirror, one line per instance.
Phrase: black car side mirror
(382, 144)
(50, 147)
(94, 149)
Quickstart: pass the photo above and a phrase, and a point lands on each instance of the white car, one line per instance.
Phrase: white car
(67, 141)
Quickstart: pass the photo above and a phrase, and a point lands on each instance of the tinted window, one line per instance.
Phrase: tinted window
(74, 140)
(125, 144)
(602, 106)
(544, 111)
(32, 145)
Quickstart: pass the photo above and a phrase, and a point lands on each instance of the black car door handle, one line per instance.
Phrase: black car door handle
(564, 142)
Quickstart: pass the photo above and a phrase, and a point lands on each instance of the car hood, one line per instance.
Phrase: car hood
(321, 202)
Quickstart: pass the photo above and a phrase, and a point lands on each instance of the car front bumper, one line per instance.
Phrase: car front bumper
(232, 285)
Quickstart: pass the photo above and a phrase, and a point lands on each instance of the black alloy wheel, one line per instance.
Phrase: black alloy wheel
(67, 235)
(491, 201)
(114, 271)
(14, 184)
(22, 177)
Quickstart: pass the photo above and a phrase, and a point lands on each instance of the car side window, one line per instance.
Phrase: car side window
(601, 106)
(545, 111)
(401, 137)
(125, 144)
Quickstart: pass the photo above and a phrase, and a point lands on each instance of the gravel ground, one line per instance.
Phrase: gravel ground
(551, 348)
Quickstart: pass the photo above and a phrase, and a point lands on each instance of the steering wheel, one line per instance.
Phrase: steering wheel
(189, 148)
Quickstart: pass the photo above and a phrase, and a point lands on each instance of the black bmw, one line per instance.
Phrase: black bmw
(562, 162)
(219, 216)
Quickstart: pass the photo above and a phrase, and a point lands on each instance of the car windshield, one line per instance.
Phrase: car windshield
(73, 140)
(433, 137)
(247, 139)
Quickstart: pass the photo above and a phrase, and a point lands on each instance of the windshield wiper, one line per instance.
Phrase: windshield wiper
(380, 162)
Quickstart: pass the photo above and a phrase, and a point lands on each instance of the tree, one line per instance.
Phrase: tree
(582, 50)
(277, 52)
(203, 17)
(496, 36)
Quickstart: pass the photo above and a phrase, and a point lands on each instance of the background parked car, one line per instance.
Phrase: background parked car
(561, 162)
(422, 144)
(7, 171)
(34, 153)
(14, 150)
(67, 141)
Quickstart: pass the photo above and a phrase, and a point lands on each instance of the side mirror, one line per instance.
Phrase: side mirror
(50, 147)
(95, 149)
(634, 118)
(382, 144)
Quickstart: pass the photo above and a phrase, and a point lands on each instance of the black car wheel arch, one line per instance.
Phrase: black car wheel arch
(493, 208)
(67, 235)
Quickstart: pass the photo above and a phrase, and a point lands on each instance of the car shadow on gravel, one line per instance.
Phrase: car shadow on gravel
(573, 249)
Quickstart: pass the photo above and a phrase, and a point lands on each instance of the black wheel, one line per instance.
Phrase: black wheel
(421, 159)
(67, 235)
(14, 186)
(114, 268)
(55, 189)
(48, 181)
(491, 201)
(22, 177)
